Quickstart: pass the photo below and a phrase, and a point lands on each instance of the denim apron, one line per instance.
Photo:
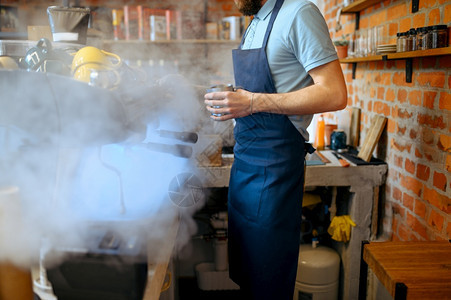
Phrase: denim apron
(265, 189)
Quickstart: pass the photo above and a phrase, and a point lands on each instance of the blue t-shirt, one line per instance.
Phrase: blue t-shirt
(298, 43)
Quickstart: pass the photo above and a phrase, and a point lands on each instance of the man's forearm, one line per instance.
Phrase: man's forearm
(328, 93)
(309, 100)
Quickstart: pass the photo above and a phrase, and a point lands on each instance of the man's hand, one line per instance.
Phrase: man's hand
(327, 93)
(229, 105)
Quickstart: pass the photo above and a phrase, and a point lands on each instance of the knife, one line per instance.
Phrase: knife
(342, 161)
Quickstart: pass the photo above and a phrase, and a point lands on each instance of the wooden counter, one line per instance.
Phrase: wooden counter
(363, 181)
(411, 270)
(330, 174)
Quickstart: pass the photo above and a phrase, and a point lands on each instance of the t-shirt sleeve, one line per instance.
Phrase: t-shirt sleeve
(309, 37)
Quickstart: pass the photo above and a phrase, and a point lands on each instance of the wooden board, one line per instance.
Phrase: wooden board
(322, 157)
(359, 5)
(371, 139)
(354, 128)
(158, 271)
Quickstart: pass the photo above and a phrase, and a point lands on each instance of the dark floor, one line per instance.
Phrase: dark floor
(189, 290)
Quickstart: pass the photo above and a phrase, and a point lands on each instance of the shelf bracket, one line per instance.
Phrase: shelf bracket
(357, 20)
(400, 290)
(354, 67)
(415, 5)
(409, 70)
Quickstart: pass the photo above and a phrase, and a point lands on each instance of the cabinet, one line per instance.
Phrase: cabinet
(356, 7)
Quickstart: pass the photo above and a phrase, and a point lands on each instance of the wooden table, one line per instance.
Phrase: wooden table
(409, 270)
(363, 181)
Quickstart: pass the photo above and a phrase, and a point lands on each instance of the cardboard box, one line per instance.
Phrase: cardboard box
(211, 31)
(192, 24)
(118, 24)
(174, 27)
(233, 27)
(35, 33)
(158, 15)
(158, 28)
(224, 30)
(133, 22)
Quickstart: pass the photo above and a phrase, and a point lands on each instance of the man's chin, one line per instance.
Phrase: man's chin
(250, 7)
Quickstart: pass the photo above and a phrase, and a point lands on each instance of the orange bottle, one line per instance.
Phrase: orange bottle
(319, 139)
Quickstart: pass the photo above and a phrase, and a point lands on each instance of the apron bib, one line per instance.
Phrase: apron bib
(265, 189)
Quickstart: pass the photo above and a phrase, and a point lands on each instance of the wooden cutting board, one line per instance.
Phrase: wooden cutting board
(354, 129)
(377, 126)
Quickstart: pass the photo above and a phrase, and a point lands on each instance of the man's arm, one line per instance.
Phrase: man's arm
(328, 93)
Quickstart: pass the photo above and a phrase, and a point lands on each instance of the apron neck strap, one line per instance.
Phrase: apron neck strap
(274, 14)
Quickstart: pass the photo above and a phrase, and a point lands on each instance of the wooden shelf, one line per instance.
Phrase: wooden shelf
(349, 60)
(420, 53)
(407, 56)
(169, 42)
(358, 6)
(400, 55)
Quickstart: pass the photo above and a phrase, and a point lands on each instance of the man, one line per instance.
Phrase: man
(287, 70)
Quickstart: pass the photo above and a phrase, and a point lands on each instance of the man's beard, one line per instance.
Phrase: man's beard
(249, 7)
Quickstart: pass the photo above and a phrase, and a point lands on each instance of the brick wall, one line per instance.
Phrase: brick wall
(417, 141)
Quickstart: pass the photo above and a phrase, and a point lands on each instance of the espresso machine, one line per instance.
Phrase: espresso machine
(94, 166)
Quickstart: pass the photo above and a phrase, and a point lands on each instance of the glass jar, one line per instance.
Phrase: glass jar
(422, 38)
(411, 40)
(429, 37)
(439, 36)
(401, 41)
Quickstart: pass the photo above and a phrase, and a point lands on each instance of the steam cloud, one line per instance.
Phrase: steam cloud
(78, 158)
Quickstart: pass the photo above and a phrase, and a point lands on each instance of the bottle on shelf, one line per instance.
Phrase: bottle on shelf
(422, 39)
(401, 42)
(411, 44)
(319, 139)
(439, 36)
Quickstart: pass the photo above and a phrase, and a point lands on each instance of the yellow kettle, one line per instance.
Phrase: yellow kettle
(89, 59)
